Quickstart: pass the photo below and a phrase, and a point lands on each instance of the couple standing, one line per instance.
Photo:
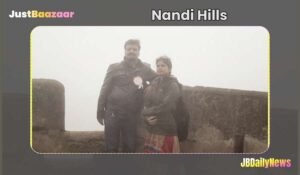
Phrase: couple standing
(132, 92)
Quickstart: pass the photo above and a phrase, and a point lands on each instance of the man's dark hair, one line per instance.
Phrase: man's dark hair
(133, 42)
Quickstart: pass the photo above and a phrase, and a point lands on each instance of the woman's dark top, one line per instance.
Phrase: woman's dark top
(160, 100)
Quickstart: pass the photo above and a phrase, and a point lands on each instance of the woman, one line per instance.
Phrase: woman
(160, 99)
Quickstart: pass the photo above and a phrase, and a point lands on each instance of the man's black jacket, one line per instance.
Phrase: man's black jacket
(119, 92)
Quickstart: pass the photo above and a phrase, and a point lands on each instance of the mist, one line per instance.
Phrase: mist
(78, 57)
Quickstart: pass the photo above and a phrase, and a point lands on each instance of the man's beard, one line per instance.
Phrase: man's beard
(131, 61)
(131, 57)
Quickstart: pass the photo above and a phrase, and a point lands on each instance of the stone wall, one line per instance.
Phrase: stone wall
(221, 120)
(48, 112)
(219, 117)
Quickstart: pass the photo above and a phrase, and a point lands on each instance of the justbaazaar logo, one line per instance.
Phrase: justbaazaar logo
(41, 14)
(266, 163)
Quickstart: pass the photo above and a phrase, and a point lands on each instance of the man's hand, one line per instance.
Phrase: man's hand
(101, 121)
(151, 120)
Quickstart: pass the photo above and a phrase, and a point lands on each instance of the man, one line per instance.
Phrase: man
(121, 99)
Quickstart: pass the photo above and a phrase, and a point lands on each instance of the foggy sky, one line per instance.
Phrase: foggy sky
(78, 57)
